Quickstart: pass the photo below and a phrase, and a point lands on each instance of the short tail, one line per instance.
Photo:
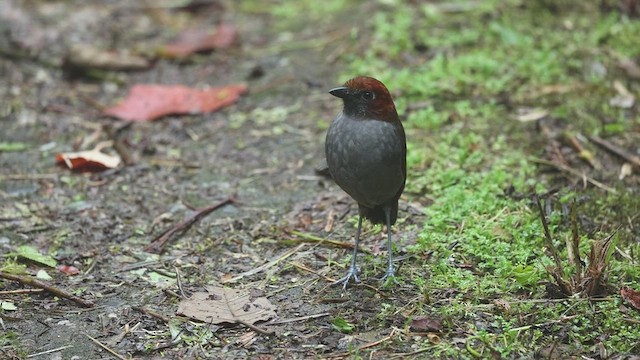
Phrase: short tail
(376, 214)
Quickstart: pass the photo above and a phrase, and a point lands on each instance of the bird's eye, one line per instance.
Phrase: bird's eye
(368, 95)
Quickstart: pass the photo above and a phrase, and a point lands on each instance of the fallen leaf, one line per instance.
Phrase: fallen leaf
(148, 101)
(8, 306)
(43, 275)
(631, 296)
(342, 325)
(202, 39)
(31, 253)
(527, 115)
(224, 305)
(625, 99)
(625, 170)
(87, 56)
(426, 323)
(90, 160)
(68, 270)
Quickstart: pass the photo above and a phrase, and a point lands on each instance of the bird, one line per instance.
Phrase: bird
(366, 152)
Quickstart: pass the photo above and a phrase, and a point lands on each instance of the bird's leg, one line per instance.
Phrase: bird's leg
(353, 270)
(390, 273)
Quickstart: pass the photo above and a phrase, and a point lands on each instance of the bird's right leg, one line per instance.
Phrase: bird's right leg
(353, 270)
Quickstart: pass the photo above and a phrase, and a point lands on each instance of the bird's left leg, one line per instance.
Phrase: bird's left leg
(390, 273)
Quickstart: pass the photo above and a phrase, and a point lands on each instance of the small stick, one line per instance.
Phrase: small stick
(265, 266)
(575, 242)
(151, 313)
(558, 271)
(179, 282)
(576, 173)
(27, 280)
(585, 154)
(256, 328)
(28, 176)
(332, 280)
(547, 234)
(304, 237)
(630, 158)
(20, 291)
(112, 352)
(49, 351)
(159, 242)
(301, 318)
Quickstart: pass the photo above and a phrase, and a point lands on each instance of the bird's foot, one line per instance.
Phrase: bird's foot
(351, 274)
(389, 276)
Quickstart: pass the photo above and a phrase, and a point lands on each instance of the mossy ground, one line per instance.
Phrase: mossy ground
(460, 72)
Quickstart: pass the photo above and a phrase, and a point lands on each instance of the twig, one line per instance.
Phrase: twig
(367, 345)
(159, 242)
(575, 243)
(27, 280)
(627, 156)
(558, 272)
(411, 355)
(585, 154)
(304, 237)
(309, 270)
(300, 318)
(547, 233)
(112, 352)
(256, 328)
(20, 291)
(151, 313)
(265, 266)
(179, 282)
(562, 319)
(49, 351)
(565, 168)
(332, 280)
(115, 136)
(28, 176)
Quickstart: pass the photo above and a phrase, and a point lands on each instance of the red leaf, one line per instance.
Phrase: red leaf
(631, 296)
(90, 160)
(68, 269)
(195, 40)
(149, 101)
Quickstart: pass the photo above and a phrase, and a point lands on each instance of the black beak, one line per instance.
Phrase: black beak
(340, 92)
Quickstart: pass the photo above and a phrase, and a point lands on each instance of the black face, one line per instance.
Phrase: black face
(356, 101)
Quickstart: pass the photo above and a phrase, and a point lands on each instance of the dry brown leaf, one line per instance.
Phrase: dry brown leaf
(631, 296)
(426, 323)
(90, 160)
(225, 305)
(194, 40)
(150, 101)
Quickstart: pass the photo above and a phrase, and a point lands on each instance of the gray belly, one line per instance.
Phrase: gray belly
(365, 159)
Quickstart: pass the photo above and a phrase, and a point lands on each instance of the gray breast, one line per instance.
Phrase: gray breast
(365, 159)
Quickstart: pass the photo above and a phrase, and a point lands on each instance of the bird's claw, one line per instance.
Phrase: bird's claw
(353, 273)
(389, 275)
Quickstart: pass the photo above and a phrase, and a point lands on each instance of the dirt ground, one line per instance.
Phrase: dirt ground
(264, 152)
(102, 222)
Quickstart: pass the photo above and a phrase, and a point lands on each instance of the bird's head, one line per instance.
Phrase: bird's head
(366, 98)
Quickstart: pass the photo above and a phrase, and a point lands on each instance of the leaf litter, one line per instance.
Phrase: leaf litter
(219, 305)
